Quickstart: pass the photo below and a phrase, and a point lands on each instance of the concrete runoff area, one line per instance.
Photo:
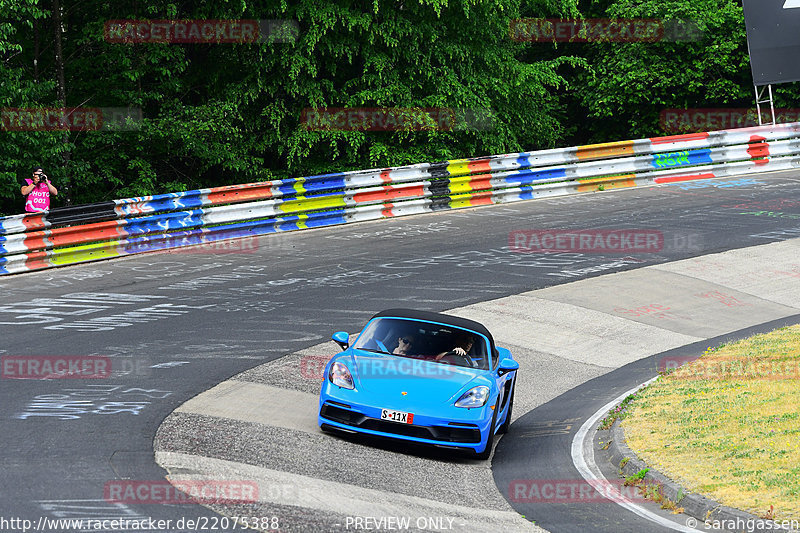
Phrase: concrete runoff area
(562, 336)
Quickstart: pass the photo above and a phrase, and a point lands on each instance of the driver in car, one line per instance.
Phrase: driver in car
(462, 348)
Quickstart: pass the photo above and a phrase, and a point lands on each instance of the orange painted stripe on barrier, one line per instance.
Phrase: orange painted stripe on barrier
(600, 151)
(685, 177)
(33, 222)
(35, 240)
(617, 182)
(226, 196)
(387, 210)
(679, 138)
(482, 181)
(479, 166)
(386, 176)
(87, 233)
(482, 198)
(387, 193)
(37, 261)
(73, 235)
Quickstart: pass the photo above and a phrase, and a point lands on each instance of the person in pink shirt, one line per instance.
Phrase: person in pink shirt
(38, 191)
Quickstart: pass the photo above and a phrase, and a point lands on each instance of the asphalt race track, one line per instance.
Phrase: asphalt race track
(177, 324)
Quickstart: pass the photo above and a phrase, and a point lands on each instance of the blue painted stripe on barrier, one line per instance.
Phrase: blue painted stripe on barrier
(680, 159)
(329, 218)
(165, 222)
(167, 204)
(527, 176)
(289, 223)
(160, 202)
(287, 189)
(329, 182)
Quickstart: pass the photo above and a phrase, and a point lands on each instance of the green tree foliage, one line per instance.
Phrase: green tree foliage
(630, 84)
(223, 113)
(230, 113)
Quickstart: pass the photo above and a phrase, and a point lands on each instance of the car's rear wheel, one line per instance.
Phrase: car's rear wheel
(489, 440)
(507, 422)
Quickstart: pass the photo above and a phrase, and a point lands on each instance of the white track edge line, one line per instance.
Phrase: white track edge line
(592, 474)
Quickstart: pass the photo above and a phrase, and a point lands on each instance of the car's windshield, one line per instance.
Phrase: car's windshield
(425, 340)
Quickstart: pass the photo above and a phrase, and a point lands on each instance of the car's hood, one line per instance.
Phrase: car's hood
(384, 375)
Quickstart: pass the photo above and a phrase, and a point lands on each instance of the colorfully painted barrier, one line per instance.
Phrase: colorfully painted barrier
(144, 224)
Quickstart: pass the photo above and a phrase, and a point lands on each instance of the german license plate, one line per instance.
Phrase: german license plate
(397, 416)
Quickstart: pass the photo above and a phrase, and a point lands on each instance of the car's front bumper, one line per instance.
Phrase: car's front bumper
(426, 429)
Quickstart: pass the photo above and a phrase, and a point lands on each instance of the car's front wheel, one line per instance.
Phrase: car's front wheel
(489, 440)
(507, 422)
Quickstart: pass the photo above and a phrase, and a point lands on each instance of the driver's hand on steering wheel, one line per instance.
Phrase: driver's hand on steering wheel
(458, 351)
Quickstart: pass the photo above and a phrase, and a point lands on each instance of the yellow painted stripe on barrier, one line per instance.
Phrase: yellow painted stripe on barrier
(458, 167)
(298, 186)
(81, 254)
(468, 200)
(311, 204)
(599, 151)
(600, 184)
(456, 204)
(460, 186)
(301, 222)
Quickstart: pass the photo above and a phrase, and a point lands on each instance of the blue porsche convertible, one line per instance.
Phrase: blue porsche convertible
(419, 376)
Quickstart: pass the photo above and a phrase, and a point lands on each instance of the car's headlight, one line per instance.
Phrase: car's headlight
(475, 397)
(340, 376)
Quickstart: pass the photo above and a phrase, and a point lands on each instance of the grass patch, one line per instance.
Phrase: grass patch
(617, 413)
(728, 424)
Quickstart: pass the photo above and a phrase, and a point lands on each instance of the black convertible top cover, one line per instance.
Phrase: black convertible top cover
(430, 316)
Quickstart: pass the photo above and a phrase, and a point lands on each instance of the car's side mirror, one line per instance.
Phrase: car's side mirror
(342, 338)
(506, 366)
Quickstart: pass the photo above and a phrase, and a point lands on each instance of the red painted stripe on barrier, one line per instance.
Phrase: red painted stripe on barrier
(390, 193)
(226, 195)
(757, 139)
(679, 138)
(386, 176)
(685, 177)
(759, 152)
(387, 210)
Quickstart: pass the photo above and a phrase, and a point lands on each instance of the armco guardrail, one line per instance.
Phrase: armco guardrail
(136, 225)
